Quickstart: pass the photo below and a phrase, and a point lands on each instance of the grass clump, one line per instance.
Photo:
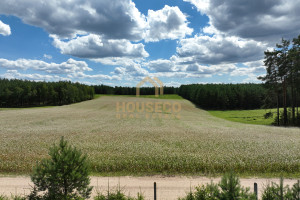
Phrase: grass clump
(13, 197)
(118, 195)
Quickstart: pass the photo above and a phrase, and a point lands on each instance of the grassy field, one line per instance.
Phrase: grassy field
(166, 96)
(246, 116)
(197, 143)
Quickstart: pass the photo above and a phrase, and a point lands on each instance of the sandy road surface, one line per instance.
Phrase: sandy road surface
(168, 187)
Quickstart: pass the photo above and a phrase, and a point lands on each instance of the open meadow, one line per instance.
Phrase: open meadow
(247, 116)
(195, 144)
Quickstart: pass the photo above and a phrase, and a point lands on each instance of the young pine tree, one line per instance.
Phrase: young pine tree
(64, 176)
(231, 188)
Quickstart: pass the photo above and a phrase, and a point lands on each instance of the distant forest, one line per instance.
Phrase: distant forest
(225, 96)
(208, 96)
(211, 96)
(23, 93)
(104, 89)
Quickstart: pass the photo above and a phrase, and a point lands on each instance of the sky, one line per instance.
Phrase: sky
(120, 42)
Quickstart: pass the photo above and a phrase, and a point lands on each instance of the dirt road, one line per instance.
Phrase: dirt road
(167, 187)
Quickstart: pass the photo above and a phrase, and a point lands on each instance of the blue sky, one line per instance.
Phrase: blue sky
(122, 41)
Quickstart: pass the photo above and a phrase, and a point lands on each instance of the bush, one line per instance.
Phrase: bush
(118, 195)
(65, 176)
(276, 191)
(209, 192)
(229, 188)
(296, 191)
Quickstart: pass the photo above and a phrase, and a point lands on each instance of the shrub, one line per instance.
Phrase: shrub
(296, 191)
(229, 188)
(209, 192)
(275, 191)
(2, 197)
(13, 197)
(65, 176)
(118, 195)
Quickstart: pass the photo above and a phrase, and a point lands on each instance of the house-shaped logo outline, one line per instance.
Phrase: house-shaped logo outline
(155, 82)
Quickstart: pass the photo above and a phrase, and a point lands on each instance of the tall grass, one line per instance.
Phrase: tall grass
(197, 143)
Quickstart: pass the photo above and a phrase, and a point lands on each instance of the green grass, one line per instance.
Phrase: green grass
(3, 109)
(246, 116)
(96, 96)
(196, 144)
(165, 96)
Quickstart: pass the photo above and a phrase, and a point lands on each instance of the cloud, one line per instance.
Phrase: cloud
(96, 29)
(180, 75)
(211, 69)
(4, 29)
(172, 84)
(47, 56)
(201, 5)
(174, 68)
(95, 46)
(71, 66)
(261, 20)
(117, 61)
(250, 69)
(118, 19)
(74, 70)
(127, 69)
(167, 23)
(82, 75)
(134, 70)
(14, 74)
(217, 49)
(161, 65)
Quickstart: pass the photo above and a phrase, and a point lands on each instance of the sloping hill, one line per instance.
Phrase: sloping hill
(197, 143)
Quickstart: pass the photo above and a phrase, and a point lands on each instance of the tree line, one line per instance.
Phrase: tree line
(24, 93)
(225, 96)
(282, 80)
(119, 90)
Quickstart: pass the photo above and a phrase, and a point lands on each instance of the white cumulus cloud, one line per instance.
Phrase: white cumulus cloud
(95, 46)
(4, 29)
(167, 23)
(14, 74)
(47, 56)
(118, 19)
(261, 20)
(71, 66)
(203, 49)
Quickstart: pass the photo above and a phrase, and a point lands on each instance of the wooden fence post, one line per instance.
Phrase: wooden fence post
(255, 191)
(155, 191)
